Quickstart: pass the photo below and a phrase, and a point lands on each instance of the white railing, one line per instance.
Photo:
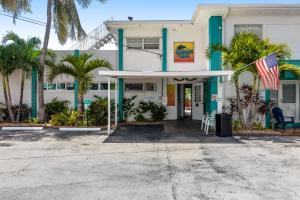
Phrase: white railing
(92, 39)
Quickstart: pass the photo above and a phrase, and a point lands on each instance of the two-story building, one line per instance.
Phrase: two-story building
(163, 60)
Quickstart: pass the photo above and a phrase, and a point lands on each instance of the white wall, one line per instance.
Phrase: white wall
(279, 29)
(154, 96)
(15, 83)
(136, 60)
(188, 33)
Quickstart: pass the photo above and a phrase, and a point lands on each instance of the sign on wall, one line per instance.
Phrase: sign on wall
(171, 90)
(183, 51)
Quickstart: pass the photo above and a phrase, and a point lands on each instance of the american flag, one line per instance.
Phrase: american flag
(267, 68)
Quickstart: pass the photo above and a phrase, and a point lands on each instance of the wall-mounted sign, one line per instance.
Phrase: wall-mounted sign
(183, 51)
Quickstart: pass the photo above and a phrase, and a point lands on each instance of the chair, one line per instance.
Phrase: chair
(208, 121)
(282, 120)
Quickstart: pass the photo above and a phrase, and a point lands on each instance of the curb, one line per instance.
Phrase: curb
(21, 128)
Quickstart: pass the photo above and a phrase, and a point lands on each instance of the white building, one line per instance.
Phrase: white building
(209, 25)
(158, 60)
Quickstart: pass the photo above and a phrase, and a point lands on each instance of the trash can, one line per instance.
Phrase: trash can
(223, 125)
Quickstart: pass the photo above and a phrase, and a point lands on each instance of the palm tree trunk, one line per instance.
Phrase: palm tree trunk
(41, 114)
(256, 105)
(250, 112)
(80, 102)
(7, 100)
(238, 101)
(21, 96)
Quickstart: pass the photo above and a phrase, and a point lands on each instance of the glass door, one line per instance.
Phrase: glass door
(197, 101)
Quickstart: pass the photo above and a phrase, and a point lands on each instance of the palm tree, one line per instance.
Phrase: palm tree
(9, 59)
(28, 54)
(80, 67)
(67, 24)
(246, 48)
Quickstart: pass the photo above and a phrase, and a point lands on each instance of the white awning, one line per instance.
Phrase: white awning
(169, 74)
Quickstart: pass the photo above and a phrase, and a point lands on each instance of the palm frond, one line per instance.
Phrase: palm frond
(60, 19)
(96, 63)
(55, 70)
(294, 69)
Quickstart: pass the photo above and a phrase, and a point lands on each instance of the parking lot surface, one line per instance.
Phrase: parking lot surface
(145, 163)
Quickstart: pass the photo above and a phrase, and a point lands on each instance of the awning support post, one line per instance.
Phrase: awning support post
(116, 103)
(108, 109)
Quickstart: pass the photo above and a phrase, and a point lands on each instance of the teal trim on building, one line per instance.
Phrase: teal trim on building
(34, 79)
(268, 114)
(76, 85)
(120, 68)
(164, 49)
(215, 63)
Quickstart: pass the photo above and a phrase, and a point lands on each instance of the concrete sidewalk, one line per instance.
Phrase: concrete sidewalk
(96, 167)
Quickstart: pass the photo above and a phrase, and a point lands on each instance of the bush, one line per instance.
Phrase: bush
(97, 112)
(128, 104)
(55, 107)
(66, 118)
(157, 112)
(2, 112)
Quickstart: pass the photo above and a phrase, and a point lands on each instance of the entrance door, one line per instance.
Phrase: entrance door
(288, 99)
(197, 101)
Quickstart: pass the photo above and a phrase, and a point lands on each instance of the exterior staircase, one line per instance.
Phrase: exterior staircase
(95, 39)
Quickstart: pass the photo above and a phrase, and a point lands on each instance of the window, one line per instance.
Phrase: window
(143, 43)
(61, 86)
(289, 93)
(134, 43)
(70, 86)
(134, 86)
(49, 86)
(150, 86)
(104, 86)
(250, 28)
(94, 86)
(151, 43)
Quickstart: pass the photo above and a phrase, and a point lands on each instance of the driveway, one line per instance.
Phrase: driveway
(51, 165)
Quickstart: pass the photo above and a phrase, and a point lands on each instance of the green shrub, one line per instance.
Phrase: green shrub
(66, 118)
(55, 107)
(157, 112)
(2, 112)
(128, 104)
(97, 112)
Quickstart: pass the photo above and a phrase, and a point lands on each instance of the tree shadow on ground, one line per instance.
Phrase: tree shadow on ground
(33, 136)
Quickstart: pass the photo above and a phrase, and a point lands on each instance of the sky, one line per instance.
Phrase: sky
(93, 16)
